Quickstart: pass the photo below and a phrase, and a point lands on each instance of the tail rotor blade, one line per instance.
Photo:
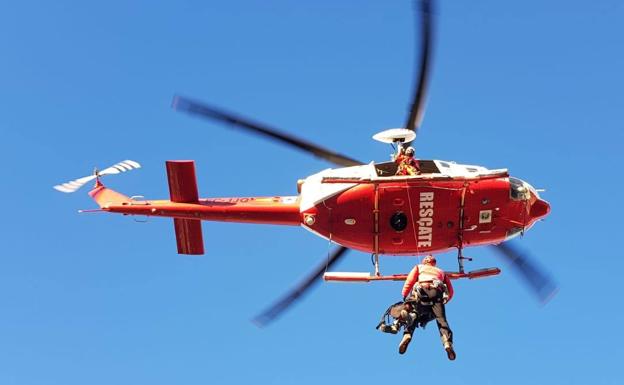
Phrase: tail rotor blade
(417, 110)
(72, 186)
(540, 282)
(124, 166)
(117, 168)
(298, 291)
(197, 108)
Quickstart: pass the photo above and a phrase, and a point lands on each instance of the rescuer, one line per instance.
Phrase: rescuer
(407, 164)
(429, 286)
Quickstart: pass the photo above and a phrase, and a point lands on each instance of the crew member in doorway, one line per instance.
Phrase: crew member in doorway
(407, 164)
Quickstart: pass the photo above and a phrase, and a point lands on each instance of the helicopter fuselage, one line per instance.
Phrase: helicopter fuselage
(364, 207)
(426, 213)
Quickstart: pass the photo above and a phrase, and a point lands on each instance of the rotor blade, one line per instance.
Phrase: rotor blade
(538, 280)
(298, 291)
(419, 100)
(196, 108)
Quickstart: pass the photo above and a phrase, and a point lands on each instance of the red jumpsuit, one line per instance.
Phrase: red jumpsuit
(424, 275)
(407, 165)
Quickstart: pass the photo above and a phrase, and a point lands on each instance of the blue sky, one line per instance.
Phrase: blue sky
(99, 299)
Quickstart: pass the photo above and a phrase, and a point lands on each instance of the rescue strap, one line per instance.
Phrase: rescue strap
(387, 325)
(393, 311)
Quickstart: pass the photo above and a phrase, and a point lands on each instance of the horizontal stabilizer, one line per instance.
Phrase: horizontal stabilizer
(189, 236)
(183, 189)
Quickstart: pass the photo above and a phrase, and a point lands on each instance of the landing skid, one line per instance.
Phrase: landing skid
(481, 273)
(367, 277)
(337, 276)
(363, 277)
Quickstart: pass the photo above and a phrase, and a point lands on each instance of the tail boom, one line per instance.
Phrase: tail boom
(260, 210)
(187, 210)
(106, 197)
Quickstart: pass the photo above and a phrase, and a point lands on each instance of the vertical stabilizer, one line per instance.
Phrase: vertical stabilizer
(105, 197)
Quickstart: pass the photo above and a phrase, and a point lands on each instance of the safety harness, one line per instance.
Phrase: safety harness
(416, 309)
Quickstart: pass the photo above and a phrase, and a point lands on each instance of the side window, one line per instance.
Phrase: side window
(398, 221)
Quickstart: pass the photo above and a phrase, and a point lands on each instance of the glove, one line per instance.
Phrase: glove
(445, 298)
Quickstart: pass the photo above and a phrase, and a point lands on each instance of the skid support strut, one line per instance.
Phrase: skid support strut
(461, 259)
(376, 231)
(460, 233)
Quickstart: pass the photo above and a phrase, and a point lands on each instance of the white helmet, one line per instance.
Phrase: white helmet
(429, 260)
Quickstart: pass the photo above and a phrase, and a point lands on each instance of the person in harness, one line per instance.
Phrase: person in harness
(407, 164)
(428, 287)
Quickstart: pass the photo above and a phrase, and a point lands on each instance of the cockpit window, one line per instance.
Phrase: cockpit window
(514, 232)
(518, 190)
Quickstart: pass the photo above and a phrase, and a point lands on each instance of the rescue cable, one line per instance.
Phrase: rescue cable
(329, 239)
(409, 200)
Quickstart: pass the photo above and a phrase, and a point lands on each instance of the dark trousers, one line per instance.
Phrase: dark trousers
(439, 312)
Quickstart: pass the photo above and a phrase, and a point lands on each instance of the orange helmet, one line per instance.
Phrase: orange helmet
(429, 260)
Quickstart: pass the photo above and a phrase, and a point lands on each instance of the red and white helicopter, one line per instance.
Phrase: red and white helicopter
(361, 206)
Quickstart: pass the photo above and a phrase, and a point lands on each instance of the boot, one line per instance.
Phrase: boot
(450, 352)
(407, 338)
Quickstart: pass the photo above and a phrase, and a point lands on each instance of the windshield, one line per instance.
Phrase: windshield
(514, 232)
(518, 190)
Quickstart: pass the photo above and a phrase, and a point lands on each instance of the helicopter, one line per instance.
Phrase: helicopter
(357, 205)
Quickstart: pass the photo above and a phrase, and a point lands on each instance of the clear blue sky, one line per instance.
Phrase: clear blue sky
(533, 86)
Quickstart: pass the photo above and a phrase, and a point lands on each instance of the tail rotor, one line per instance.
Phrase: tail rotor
(117, 168)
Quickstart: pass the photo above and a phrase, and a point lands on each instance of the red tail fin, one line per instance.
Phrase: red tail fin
(189, 236)
(106, 197)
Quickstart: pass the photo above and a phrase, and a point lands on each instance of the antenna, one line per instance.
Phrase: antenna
(395, 135)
